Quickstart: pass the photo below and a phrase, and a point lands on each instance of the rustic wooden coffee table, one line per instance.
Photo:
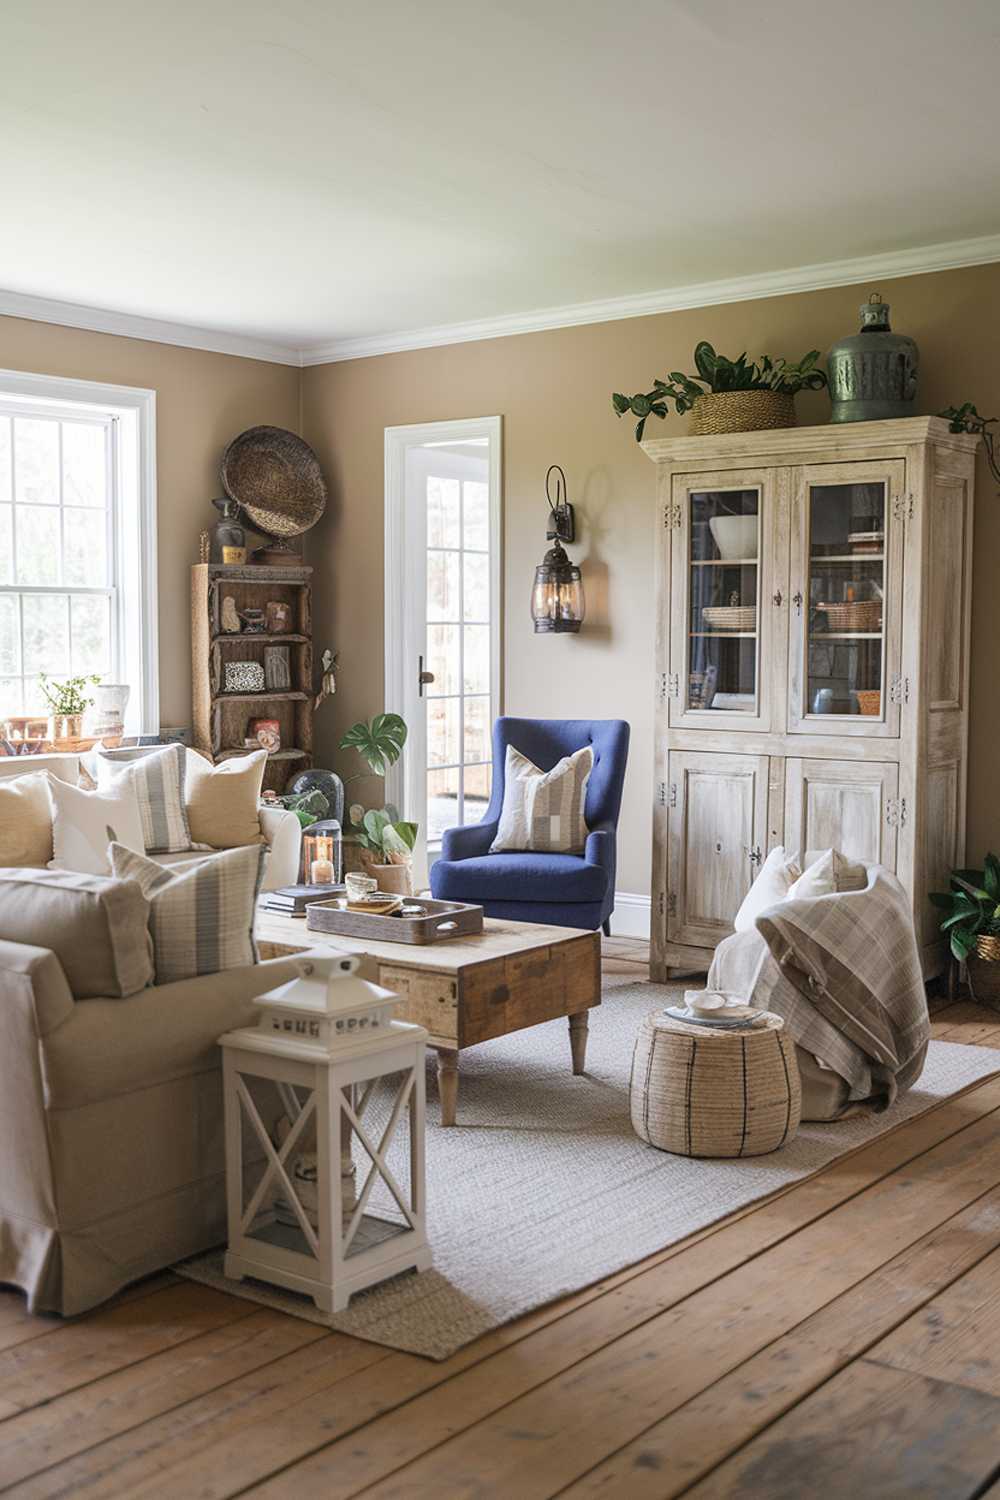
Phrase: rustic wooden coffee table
(468, 990)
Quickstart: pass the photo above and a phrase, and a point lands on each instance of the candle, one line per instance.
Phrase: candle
(321, 869)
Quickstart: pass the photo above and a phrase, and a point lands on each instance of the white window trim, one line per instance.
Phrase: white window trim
(397, 441)
(136, 410)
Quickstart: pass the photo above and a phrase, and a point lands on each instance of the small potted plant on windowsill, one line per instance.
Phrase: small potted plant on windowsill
(973, 926)
(67, 703)
(385, 839)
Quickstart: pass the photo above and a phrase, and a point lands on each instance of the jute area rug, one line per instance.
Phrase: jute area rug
(542, 1188)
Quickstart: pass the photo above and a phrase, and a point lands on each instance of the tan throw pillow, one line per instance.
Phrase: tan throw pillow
(543, 810)
(25, 820)
(97, 928)
(200, 920)
(222, 800)
(158, 779)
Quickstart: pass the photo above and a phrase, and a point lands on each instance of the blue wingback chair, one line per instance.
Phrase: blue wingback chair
(567, 890)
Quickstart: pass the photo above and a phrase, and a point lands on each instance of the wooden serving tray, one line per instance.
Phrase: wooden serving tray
(438, 920)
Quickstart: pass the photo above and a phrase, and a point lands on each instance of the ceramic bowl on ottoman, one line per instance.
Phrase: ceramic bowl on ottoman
(704, 1087)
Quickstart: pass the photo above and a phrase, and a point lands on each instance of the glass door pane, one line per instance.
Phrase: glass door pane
(846, 599)
(723, 621)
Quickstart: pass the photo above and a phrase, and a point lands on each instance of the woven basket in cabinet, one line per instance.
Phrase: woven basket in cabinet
(703, 1091)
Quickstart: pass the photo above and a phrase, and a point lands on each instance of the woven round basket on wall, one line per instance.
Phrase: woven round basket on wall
(740, 411)
(702, 1091)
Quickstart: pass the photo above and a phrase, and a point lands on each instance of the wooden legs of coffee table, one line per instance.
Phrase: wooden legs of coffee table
(447, 1070)
(578, 1031)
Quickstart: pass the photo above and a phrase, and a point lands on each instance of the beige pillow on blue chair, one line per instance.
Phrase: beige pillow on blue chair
(543, 810)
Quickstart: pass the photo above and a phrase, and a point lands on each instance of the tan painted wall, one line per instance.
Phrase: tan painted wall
(553, 391)
(202, 400)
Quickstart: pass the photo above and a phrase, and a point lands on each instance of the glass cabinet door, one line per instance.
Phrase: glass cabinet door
(721, 629)
(847, 587)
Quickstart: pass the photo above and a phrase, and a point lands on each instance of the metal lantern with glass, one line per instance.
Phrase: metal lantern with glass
(557, 598)
(322, 853)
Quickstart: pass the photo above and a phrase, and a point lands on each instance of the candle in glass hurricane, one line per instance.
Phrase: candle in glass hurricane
(321, 869)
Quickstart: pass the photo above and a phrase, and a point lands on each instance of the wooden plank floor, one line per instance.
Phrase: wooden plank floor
(840, 1340)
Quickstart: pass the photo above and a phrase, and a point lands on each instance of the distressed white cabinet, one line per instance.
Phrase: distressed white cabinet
(812, 672)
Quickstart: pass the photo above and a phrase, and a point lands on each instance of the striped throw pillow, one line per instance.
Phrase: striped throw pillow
(158, 779)
(200, 920)
(543, 810)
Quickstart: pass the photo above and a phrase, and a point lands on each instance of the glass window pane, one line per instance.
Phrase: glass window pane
(442, 803)
(476, 516)
(46, 633)
(442, 512)
(442, 586)
(10, 696)
(5, 461)
(846, 563)
(9, 642)
(37, 544)
(6, 543)
(443, 646)
(722, 654)
(478, 784)
(477, 659)
(84, 480)
(477, 729)
(85, 548)
(36, 460)
(90, 617)
(476, 598)
(442, 731)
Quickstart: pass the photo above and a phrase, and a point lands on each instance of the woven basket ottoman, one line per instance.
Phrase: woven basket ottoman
(705, 1091)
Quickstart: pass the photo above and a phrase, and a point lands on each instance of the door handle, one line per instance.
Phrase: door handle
(797, 601)
(423, 678)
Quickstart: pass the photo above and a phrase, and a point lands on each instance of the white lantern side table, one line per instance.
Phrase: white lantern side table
(323, 1043)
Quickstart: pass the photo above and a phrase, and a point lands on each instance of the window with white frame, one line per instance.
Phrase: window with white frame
(77, 541)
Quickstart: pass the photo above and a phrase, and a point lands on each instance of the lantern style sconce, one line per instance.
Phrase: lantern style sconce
(322, 851)
(305, 1076)
(557, 599)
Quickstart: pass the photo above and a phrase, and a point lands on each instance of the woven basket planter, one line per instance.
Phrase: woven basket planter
(702, 1091)
(740, 411)
(983, 969)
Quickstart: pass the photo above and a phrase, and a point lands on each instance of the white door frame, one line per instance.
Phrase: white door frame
(398, 651)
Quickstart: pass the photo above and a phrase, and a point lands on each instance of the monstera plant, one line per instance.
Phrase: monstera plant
(387, 838)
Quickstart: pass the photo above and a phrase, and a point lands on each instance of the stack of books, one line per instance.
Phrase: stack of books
(292, 900)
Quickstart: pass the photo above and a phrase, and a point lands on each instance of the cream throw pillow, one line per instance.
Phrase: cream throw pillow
(85, 823)
(25, 821)
(158, 780)
(777, 876)
(543, 810)
(200, 920)
(222, 800)
(827, 873)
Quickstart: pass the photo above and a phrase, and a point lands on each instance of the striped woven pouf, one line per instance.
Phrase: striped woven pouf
(703, 1091)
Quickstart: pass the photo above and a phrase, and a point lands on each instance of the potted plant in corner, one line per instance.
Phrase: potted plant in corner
(973, 926)
(727, 395)
(67, 703)
(386, 840)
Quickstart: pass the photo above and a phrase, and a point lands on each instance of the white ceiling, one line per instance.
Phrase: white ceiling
(314, 171)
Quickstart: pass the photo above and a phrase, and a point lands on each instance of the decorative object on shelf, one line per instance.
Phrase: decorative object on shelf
(328, 680)
(965, 418)
(323, 840)
(227, 539)
(279, 617)
(244, 677)
(276, 478)
(727, 395)
(972, 923)
(277, 668)
(67, 701)
(110, 703)
(359, 885)
(866, 543)
(558, 604)
(326, 1045)
(735, 536)
(731, 616)
(869, 701)
(24, 734)
(861, 615)
(266, 733)
(873, 373)
(253, 620)
(321, 866)
(230, 616)
(326, 785)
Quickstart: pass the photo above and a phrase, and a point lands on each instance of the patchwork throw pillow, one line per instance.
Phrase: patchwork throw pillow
(222, 800)
(84, 824)
(200, 919)
(158, 779)
(25, 821)
(543, 810)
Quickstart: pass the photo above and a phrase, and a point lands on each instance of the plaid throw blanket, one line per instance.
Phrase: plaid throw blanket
(844, 972)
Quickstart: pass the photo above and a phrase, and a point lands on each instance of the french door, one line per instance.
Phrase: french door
(443, 620)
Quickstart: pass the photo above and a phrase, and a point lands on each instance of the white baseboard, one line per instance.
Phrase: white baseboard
(631, 915)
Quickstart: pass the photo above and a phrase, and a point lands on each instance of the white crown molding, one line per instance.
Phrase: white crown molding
(943, 257)
(154, 330)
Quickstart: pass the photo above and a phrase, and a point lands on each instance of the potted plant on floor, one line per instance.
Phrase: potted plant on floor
(386, 840)
(973, 926)
(727, 395)
(67, 703)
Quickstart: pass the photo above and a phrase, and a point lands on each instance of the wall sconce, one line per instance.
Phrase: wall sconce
(557, 600)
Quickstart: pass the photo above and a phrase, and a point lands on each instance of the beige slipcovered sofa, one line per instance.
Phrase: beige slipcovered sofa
(112, 1159)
